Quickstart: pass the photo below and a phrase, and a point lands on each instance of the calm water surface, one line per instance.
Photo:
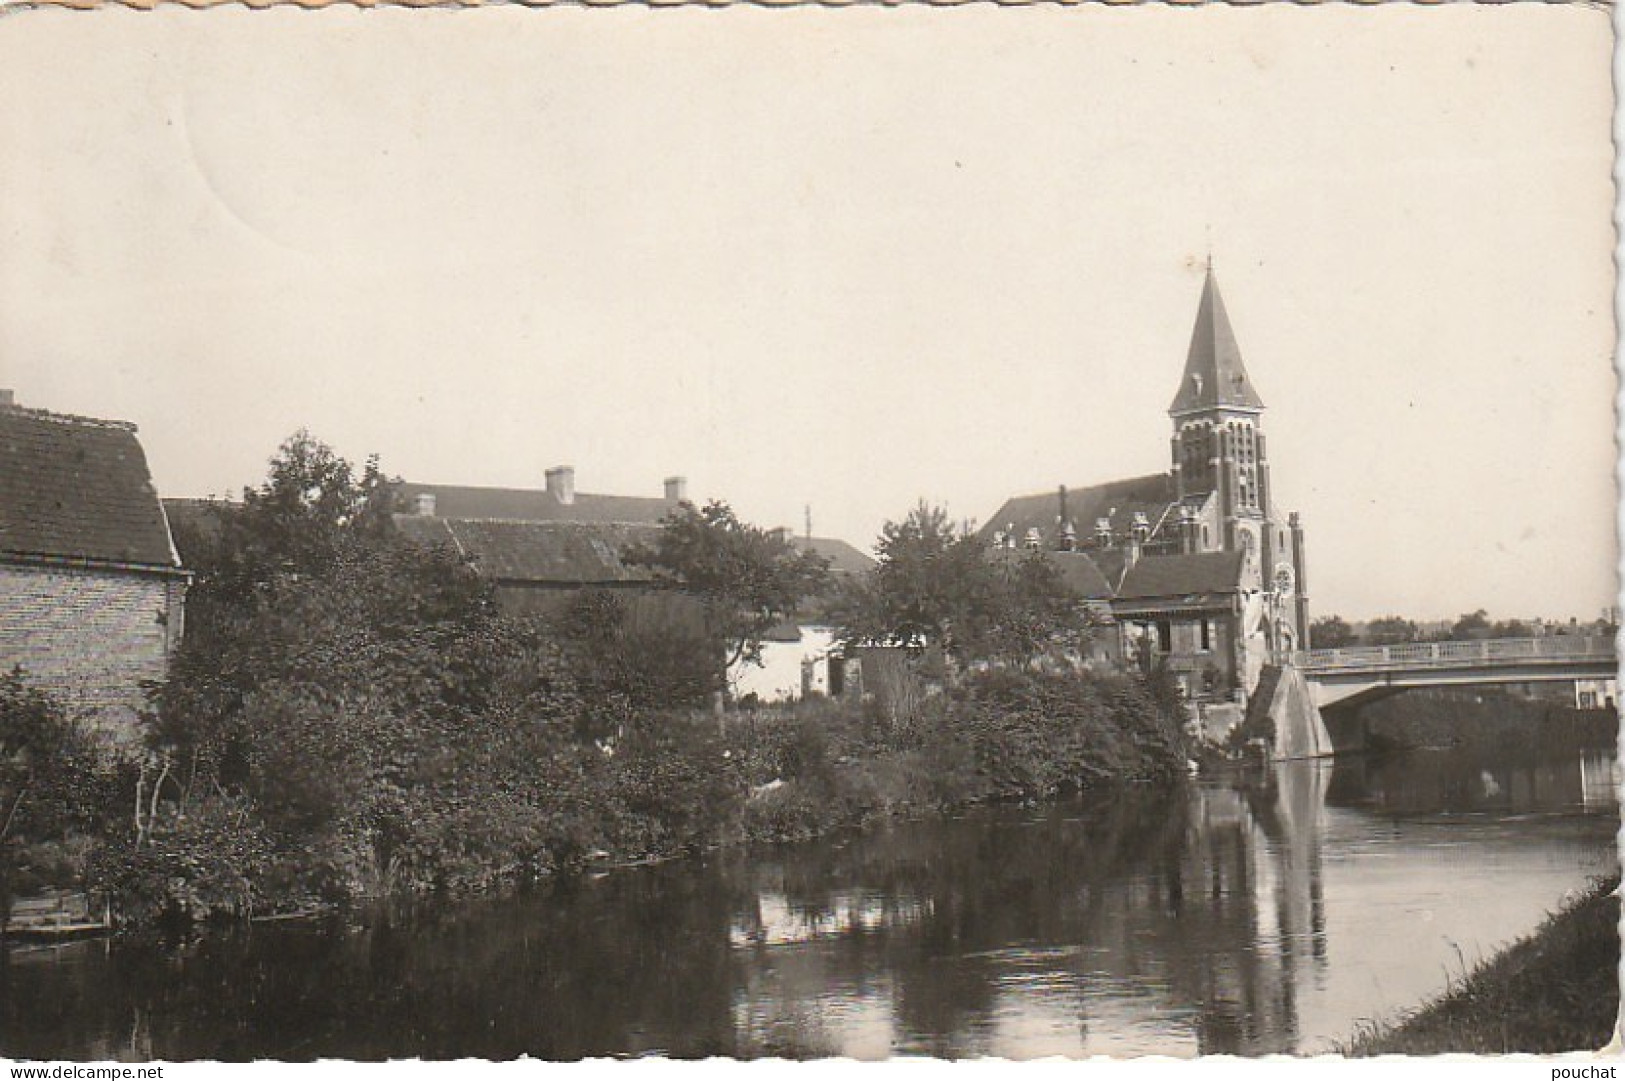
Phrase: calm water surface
(1270, 913)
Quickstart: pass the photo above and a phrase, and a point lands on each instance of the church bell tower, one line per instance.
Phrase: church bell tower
(1218, 446)
(1220, 465)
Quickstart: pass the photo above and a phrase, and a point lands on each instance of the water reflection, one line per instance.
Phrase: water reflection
(1464, 781)
(1255, 914)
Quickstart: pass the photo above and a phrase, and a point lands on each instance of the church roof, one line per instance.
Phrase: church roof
(1179, 576)
(78, 488)
(1079, 571)
(1116, 500)
(843, 558)
(1214, 374)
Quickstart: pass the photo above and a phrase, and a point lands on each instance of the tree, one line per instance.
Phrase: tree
(635, 652)
(1331, 632)
(747, 579)
(311, 510)
(1390, 631)
(1471, 625)
(1029, 611)
(938, 585)
(930, 582)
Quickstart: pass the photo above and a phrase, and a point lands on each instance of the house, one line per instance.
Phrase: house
(1201, 572)
(798, 655)
(536, 567)
(557, 501)
(539, 547)
(92, 593)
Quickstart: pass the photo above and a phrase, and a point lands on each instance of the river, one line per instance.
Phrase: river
(1247, 914)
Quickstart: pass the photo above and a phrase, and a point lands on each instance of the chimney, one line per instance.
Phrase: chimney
(1067, 536)
(1138, 535)
(423, 504)
(561, 483)
(677, 490)
(1189, 530)
(7, 397)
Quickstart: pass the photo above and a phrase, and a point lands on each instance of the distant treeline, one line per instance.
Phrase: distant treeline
(1332, 631)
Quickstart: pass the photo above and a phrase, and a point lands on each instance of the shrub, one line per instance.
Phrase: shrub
(191, 867)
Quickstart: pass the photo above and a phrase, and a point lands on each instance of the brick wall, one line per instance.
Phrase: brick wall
(90, 636)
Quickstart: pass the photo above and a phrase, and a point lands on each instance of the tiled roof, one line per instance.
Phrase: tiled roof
(1116, 500)
(562, 553)
(843, 557)
(200, 514)
(1214, 374)
(1077, 569)
(77, 488)
(1174, 576)
(536, 504)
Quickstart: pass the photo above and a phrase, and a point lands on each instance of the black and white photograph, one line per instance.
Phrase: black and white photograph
(749, 532)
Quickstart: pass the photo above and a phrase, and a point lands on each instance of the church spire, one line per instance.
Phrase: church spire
(1214, 374)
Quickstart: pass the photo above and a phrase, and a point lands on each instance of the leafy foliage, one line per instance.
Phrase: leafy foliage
(1331, 632)
(1391, 631)
(353, 716)
(312, 511)
(637, 653)
(937, 584)
(56, 781)
(746, 578)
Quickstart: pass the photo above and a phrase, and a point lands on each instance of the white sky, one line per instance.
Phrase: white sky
(847, 258)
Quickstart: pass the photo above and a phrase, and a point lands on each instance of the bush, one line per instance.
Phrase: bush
(59, 787)
(191, 867)
(1035, 733)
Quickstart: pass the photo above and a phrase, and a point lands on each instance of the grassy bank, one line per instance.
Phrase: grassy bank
(1556, 990)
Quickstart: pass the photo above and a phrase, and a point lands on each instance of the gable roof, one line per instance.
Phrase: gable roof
(1116, 500)
(78, 488)
(843, 557)
(1175, 576)
(537, 504)
(540, 553)
(1078, 570)
(1214, 374)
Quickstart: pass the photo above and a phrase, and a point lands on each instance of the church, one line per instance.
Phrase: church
(1200, 572)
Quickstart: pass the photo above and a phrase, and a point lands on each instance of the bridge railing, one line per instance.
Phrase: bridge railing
(1487, 652)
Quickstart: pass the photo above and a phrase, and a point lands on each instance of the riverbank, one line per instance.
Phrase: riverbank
(415, 817)
(1556, 990)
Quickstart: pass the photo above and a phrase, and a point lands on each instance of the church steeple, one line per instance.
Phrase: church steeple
(1215, 377)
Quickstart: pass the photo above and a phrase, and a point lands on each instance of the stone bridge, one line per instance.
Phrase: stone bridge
(1311, 696)
(1352, 675)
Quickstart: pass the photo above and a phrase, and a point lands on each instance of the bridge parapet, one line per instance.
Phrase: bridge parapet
(1478, 653)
